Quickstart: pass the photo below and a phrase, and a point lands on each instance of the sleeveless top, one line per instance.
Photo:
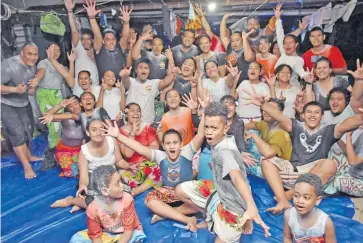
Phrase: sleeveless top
(107, 159)
(315, 232)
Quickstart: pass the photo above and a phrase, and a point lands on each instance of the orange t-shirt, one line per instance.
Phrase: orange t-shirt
(183, 123)
(268, 65)
(123, 217)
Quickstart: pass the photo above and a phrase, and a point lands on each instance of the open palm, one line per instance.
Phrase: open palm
(358, 73)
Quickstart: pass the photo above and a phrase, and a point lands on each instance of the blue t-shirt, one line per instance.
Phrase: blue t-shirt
(174, 173)
(205, 165)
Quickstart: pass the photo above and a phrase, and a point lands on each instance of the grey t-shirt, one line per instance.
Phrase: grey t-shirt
(237, 129)
(226, 157)
(110, 60)
(323, 100)
(218, 57)
(13, 72)
(52, 78)
(310, 147)
(98, 113)
(357, 170)
(180, 56)
(158, 64)
(182, 86)
(329, 118)
(242, 64)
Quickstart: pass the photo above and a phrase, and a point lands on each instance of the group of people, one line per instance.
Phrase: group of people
(188, 123)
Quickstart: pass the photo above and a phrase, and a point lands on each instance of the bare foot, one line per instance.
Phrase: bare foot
(74, 209)
(248, 227)
(280, 207)
(29, 173)
(202, 225)
(156, 218)
(192, 224)
(62, 203)
(33, 158)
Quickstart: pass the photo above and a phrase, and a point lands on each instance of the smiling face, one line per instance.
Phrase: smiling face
(305, 198)
(264, 46)
(56, 51)
(86, 41)
(211, 70)
(188, 68)
(110, 41)
(205, 44)
(109, 78)
(188, 39)
(29, 55)
(133, 114)
(142, 71)
(289, 45)
(323, 70)
(95, 131)
(214, 128)
(172, 146)
(312, 116)
(88, 101)
(84, 80)
(74, 107)
(317, 38)
(255, 25)
(276, 50)
(157, 46)
(284, 75)
(173, 99)
(337, 103)
(236, 41)
(254, 71)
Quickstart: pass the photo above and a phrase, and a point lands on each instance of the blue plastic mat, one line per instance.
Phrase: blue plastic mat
(26, 216)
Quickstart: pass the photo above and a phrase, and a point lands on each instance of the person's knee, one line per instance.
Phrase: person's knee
(328, 166)
(180, 194)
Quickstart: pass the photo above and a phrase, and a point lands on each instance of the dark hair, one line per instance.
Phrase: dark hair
(280, 103)
(50, 44)
(253, 17)
(171, 131)
(89, 121)
(313, 180)
(84, 71)
(280, 67)
(87, 93)
(323, 59)
(87, 31)
(204, 36)
(272, 46)
(158, 37)
(237, 32)
(28, 44)
(189, 30)
(69, 97)
(228, 97)
(106, 31)
(259, 64)
(313, 103)
(291, 36)
(143, 60)
(265, 38)
(217, 109)
(190, 58)
(316, 28)
(347, 94)
(101, 177)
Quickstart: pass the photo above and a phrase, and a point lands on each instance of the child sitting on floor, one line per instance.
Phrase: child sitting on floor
(176, 167)
(304, 222)
(111, 216)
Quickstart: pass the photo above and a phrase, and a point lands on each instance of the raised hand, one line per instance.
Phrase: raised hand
(46, 119)
(119, 85)
(175, 70)
(168, 53)
(233, 71)
(66, 102)
(21, 88)
(278, 11)
(310, 77)
(125, 72)
(147, 35)
(206, 101)
(125, 14)
(304, 23)
(104, 86)
(198, 9)
(72, 55)
(270, 79)
(252, 214)
(195, 79)
(69, 4)
(91, 8)
(245, 35)
(111, 129)
(358, 73)
(189, 102)
(254, 97)
(226, 16)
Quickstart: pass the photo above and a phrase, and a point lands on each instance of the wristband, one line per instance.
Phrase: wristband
(70, 11)
(91, 17)
(308, 83)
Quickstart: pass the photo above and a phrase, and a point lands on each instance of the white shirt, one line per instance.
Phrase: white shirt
(290, 95)
(111, 100)
(216, 89)
(144, 95)
(246, 109)
(78, 91)
(84, 62)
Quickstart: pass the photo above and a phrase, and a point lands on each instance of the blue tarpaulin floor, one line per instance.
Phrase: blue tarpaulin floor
(27, 217)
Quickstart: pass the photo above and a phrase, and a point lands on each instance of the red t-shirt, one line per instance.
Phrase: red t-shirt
(146, 137)
(217, 45)
(331, 52)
